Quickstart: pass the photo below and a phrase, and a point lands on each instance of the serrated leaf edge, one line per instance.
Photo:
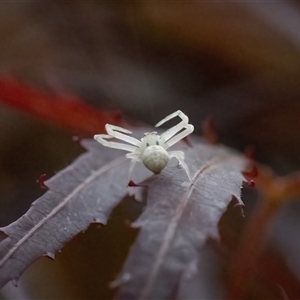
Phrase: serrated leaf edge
(213, 163)
(37, 226)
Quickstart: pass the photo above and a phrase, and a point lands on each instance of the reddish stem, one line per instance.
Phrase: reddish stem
(209, 132)
(244, 262)
(61, 109)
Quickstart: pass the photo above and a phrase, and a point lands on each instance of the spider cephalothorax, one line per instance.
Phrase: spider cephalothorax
(152, 148)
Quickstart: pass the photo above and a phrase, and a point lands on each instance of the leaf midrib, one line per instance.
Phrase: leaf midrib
(61, 205)
(171, 229)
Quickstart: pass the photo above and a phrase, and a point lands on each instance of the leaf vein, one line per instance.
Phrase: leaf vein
(61, 205)
(170, 232)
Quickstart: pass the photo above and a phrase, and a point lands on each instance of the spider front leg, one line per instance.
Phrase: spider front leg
(174, 130)
(101, 138)
(175, 139)
(179, 155)
(112, 133)
(178, 113)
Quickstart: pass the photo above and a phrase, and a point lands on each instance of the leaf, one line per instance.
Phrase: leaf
(178, 218)
(61, 109)
(83, 193)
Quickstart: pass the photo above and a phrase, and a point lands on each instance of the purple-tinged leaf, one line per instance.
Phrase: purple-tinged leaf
(11, 291)
(178, 218)
(85, 192)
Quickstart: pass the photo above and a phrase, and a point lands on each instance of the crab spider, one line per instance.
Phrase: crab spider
(152, 148)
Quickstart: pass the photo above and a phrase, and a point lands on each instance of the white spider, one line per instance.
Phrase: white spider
(151, 149)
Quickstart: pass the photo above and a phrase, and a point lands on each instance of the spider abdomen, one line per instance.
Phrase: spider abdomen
(155, 158)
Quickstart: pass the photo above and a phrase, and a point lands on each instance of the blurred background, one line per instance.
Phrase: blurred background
(236, 61)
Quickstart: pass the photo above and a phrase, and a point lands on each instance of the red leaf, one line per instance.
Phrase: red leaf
(41, 181)
(62, 109)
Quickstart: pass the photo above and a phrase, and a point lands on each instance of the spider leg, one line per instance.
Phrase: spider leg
(180, 157)
(134, 159)
(165, 136)
(175, 139)
(174, 130)
(120, 129)
(101, 138)
(178, 113)
(112, 130)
